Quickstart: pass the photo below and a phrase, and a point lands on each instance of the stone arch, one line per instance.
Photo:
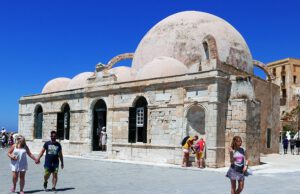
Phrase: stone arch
(195, 103)
(63, 122)
(99, 120)
(196, 115)
(137, 98)
(138, 120)
(113, 61)
(38, 122)
(212, 46)
(263, 67)
(64, 105)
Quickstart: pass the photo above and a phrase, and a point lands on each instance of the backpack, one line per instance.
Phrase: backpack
(184, 140)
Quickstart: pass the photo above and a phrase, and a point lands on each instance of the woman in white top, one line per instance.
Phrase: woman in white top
(17, 153)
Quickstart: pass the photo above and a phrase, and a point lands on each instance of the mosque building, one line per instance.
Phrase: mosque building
(192, 73)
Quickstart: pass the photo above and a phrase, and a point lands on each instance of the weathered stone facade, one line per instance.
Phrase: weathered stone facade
(286, 74)
(211, 98)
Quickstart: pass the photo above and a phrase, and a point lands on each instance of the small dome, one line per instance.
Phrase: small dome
(79, 81)
(56, 85)
(183, 36)
(162, 67)
(123, 73)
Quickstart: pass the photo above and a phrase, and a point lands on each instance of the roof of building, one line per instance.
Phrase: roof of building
(123, 73)
(281, 61)
(181, 36)
(161, 67)
(56, 85)
(80, 80)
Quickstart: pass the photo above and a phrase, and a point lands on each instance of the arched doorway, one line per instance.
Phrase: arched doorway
(63, 123)
(38, 122)
(137, 131)
(99, 121)
(196, 119)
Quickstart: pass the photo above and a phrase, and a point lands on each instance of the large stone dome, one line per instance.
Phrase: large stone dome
(182, 36)
(80, 80)
(56, 85)
(161, 67)
(123, 73)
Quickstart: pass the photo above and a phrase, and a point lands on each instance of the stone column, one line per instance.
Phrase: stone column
(243, 119)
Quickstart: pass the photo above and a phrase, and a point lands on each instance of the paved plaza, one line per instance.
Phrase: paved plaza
(90, 176)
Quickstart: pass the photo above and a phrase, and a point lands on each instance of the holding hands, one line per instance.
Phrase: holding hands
(14, 157)
(37, 161)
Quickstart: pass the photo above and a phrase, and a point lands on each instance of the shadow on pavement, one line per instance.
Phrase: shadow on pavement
(61, 189)
(65, 189)
(33, 191)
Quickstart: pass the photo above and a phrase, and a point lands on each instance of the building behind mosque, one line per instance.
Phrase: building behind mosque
(192, 73)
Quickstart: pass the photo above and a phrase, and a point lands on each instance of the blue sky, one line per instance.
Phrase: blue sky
(42, 40)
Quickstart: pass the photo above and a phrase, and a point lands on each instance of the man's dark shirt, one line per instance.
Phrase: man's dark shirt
(52, 154)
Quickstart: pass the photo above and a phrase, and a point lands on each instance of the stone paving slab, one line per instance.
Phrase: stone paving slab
(83, 176)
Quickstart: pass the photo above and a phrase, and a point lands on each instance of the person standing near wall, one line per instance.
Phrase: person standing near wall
(239, 164)
(285, 144)
(200, 153)
(292, 145)
(53, 154)
(187, 146)
(99, 133)
(103, 138)
(298, 145)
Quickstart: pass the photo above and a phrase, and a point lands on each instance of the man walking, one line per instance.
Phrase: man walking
(53, 154)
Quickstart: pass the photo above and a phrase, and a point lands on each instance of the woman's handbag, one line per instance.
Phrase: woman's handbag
(248, 172)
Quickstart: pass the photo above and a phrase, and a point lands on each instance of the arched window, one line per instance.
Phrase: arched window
(210, 47)
(196, 119)
(206, 50)
(63, 123)
(137, 129)
(99, 121)
(38, 122)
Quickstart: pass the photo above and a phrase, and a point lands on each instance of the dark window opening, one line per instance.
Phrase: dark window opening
(38, 123)
(268, 138)
(63, 123)
(283, 68)
(274, 72)
(284, 93)
(283, 80)
(137, 128)
(295, 79)
(206, 50)
(99, 121)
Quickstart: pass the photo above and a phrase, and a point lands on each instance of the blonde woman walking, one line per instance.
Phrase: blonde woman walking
(17, 153)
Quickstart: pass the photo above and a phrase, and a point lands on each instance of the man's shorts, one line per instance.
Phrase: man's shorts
(48, 171)
(199, 155)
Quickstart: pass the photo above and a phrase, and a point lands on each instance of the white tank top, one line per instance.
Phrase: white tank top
(21, 163)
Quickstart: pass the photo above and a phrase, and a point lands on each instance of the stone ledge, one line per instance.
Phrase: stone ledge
(138, 145)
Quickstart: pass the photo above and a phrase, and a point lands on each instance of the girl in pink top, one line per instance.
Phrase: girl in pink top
(239, 164)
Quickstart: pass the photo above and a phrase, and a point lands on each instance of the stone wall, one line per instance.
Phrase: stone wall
(269, 96)
(169, 101)
(80, 129)
(243, 119)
